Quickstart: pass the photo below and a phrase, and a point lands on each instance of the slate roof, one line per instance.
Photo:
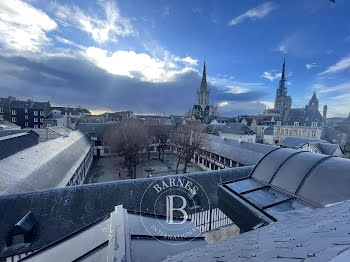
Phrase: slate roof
(15, 142)
(296, 142)
(61, 211)
(245, 153)
(11, 132)
(334, 135)
(305, 116)
(98, 129)
(29, 104)
(236, 128)
(322, 235)
(325, 148)
(47, 165)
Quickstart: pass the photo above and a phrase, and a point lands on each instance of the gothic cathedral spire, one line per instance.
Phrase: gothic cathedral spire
(204, 85)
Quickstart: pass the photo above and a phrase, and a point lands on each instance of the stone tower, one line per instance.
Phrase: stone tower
(203, 94)
(283, 102)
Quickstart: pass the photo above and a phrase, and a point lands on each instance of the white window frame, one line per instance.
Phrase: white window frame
(26, 124)
(41, 120)
(278, 123)
(35, 126)
(278, 131)
(14, 119)
(1, 117)
(35, 113)
(314, 124)
(296, 123)
(42, 113)
(295, 132)
(1, 110)
(26, 117)
(35, 120)
(26, 110)
(48, 125)
(13, 112)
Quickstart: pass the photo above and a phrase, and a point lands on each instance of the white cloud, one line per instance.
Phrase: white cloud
(68, 42)
(312, 65)
(131, 64)
(223, 103)
(24, 27)
(233, 86)
(109, 28)
(322, 89)
(343, 64)
(188, 60)
(271, 76)
(257, 12)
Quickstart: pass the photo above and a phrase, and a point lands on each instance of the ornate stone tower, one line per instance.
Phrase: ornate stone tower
(203, 94)
(283, 102)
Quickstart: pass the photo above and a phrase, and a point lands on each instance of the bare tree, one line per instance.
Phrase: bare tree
(188, 139)
(160, 135)
(128, 138)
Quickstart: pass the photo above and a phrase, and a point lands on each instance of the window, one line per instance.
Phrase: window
(26, 110)
(14, 119)
(304, 133)
(41, 126)
(1, 110)
(26, 117)
(26, 123)
(41, 113)
(296, 123)
(41, 120)
(314, 124)
(48, 125)
(278, 131)
(295, 132)
(1, 117)
(13, 112)
(278, 123)
(35, 120)
(286, 132)
(313, 134)
(35, 113)
(35, 126)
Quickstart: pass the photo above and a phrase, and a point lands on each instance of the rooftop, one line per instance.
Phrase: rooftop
(46, 165)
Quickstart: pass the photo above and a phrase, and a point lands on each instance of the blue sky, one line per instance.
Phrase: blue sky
(147, 56)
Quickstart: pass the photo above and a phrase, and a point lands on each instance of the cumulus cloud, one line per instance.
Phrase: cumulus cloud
(257, 12)
(132, 64)
(24, 27)
(341, 65)
(108, 28)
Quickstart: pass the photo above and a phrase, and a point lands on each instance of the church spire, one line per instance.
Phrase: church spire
(284, 69)
(204, 78)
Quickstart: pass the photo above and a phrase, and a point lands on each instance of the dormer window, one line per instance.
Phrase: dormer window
(278, 123)
(314, 124)
(296, 123)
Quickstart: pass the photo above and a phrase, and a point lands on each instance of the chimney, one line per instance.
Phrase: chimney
(325, 111)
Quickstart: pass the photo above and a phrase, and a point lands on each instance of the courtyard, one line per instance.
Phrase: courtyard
(111, 168)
